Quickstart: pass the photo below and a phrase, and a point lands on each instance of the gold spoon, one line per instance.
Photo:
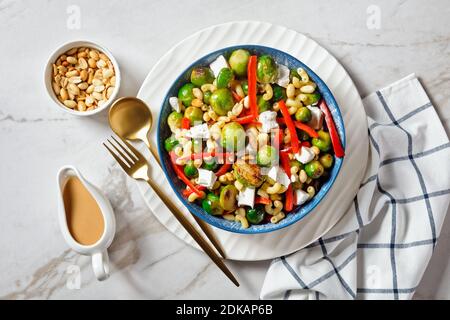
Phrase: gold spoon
(131, 119)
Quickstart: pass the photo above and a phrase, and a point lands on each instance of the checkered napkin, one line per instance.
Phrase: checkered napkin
(382, 245)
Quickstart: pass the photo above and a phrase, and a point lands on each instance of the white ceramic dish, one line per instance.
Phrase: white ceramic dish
(49, 69)
(340, 197)
(98, 251)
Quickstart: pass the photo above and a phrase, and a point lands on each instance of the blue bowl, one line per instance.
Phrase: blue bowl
(177, 185)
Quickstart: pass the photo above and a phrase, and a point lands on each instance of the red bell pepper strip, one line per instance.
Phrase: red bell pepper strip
(289, 149)
(251, 74)
(306, 144)
(335, 140)
(180, 173)
(223, 169)
(187, 192)
(295, 143)
(185, 123)
(236, 97)
(302, 126)
(262, 200)
(289, 192)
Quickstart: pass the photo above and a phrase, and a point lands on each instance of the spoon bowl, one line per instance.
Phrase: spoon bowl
(131, 119)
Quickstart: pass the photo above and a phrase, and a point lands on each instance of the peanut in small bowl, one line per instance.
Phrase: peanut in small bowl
(82, 78)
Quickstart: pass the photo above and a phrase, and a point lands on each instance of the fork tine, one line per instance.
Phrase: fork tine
(137, 154)
(121, 162)
(121, 150)
(130, 154)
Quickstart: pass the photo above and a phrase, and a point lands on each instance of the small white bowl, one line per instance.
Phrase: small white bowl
(48, 75)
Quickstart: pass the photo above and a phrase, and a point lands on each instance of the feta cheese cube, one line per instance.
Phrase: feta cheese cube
(300, 197)
(283, 76)
(246, 197)
(277, 174)
(175, 104)
(268, 121)
(316, 118)
(206, 178)
(218, 65)
(305, 155)
(200, 131)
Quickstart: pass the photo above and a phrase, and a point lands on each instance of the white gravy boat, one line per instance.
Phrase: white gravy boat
(98, 251)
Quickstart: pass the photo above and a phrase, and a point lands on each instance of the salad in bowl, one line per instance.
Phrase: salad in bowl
(248, 140)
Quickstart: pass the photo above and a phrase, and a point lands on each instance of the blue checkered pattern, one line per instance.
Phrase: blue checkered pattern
(381, 247)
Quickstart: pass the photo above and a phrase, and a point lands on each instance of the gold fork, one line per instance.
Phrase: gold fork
(135, 165)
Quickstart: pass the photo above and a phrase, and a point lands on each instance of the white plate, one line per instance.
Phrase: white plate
(339, 198)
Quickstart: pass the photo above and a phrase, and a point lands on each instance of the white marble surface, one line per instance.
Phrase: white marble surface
(148, 262)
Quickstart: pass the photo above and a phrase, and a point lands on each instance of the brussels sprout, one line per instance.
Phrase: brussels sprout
(227, 197)
(323, 142)
(190, 170)
(195, 115)
(279, 93)
(244, 85)
(185, 94)
(210, 164)
(238, 61)
(326, 160)
(170, 143)
(174, 120)
(311, 98)
(255, 215)
(266, 69)
(222, 101)
(207, 97)
(314, 169)
(266, 156)
(211, 204)
(233, 136)
(303, 114)
(247, 174)
(201, 75)
(224, 78)
(263, 105)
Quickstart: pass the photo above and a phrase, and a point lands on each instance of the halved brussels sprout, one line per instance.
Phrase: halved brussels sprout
(174, 120)
(222, 101)
(266, 69)
(238, 61)
(195, 115)
(323, 142)
(266, 156)
(314, 169)
(201, 76)
(224, 78)
(185, 94)
(255, 215)
(233, 136)
(228, 197)
(211, 204)
(248, 174)
(303, 114)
